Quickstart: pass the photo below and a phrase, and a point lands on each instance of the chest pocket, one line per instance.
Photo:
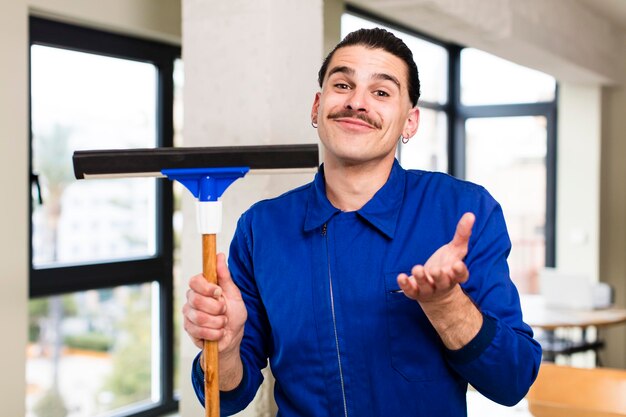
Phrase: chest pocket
(415, 347)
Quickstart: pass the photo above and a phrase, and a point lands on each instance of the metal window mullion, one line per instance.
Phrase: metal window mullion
(165, 233)
(66, 279)
(456, 122)
(62, 35)
(506, 110)
(551, 185)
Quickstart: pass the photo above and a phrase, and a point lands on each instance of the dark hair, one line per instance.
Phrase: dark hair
(378, 38)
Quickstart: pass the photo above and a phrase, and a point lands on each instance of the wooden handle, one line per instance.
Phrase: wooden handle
(211, 382)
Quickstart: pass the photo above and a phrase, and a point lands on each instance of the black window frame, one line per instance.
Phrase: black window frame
(158, 268)
(458, 113)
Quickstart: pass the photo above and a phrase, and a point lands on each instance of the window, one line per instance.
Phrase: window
(487, 79)
(71, 109)
(101, 314)
(490, 121)
(513, 169)
(508, 115)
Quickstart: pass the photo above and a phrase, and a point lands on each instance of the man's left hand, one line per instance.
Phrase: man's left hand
(436, 280)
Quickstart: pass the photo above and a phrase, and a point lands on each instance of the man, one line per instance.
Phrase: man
(366, 295)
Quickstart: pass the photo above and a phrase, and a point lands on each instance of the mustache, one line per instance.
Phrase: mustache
(349, 113)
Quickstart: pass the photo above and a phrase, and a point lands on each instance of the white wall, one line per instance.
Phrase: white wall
(578, 179)
(559, 37)
(14, 212)
(152, 19)
(613, 214)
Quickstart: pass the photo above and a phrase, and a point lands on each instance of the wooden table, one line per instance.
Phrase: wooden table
(551, 319)
(538, 316)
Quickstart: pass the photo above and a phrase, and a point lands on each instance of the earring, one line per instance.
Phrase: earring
(404, 140)
(313, 124)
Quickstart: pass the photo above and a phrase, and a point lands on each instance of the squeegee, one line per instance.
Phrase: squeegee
(206, 173)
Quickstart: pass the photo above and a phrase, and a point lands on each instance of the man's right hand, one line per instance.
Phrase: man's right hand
(216, 312)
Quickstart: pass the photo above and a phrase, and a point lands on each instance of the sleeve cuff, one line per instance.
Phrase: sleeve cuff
(235, 394)
(197, 377)
(477, 345)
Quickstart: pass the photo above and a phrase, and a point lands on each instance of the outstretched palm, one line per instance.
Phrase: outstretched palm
(436, 279)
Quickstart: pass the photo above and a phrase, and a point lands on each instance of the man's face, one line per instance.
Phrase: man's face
(363, 107)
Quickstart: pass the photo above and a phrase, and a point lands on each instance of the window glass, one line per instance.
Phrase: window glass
(93, 352)
(178, 111)
(427, 150)
(508, 156)
(487, 79)
(431, 59)
(89, 101)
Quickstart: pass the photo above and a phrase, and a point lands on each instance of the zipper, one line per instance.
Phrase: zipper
(332, 310)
